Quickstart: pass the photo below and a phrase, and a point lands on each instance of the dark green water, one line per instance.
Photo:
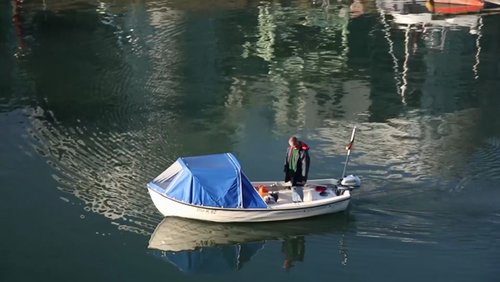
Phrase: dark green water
(97, 98)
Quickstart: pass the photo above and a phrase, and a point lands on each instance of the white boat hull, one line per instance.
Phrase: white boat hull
(276, 212)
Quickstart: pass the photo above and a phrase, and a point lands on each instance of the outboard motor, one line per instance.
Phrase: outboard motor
(349, 182)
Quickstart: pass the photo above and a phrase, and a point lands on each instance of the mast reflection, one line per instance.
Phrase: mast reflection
(434, 24)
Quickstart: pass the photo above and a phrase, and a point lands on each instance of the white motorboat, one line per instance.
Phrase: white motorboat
(214, 188)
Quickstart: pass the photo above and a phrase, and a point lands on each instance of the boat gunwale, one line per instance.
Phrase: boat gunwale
(328, 201)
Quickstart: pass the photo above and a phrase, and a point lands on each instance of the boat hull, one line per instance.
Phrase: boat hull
(170, 207)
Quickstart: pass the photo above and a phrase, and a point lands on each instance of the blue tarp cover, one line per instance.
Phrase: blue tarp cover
(210, 180)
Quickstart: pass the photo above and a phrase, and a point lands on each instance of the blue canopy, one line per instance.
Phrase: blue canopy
(210, 180)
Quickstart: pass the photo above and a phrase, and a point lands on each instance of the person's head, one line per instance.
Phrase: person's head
(293, 141)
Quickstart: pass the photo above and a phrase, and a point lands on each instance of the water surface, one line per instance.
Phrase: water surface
(97, 98)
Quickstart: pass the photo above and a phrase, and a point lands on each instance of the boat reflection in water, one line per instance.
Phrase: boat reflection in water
(436, 25)
(198, 247)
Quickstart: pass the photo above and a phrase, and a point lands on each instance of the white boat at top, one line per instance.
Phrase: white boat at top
(214, 188)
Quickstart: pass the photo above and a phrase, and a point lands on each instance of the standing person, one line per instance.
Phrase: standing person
(297, 167)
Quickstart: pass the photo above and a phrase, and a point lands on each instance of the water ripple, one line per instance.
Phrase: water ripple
(409, 148)
(483, 170)
(106, 170)
(101, 143)
(141, 83)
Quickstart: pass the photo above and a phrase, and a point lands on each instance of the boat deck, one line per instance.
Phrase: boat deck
(312, 193)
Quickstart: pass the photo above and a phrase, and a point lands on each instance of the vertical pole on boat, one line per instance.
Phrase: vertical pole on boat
(348, 148)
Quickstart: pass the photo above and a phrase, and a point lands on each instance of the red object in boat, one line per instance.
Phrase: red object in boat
(320, 189)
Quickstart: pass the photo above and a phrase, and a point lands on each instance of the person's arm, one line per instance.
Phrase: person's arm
(285, 166)
(305, 166)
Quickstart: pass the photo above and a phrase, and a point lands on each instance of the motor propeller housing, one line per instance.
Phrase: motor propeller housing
(349, 182)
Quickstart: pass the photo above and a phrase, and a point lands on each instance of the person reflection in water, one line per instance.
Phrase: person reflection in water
(293, 249)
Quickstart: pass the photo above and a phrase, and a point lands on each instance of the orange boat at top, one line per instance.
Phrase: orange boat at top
(454, 6)
(461, 2)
